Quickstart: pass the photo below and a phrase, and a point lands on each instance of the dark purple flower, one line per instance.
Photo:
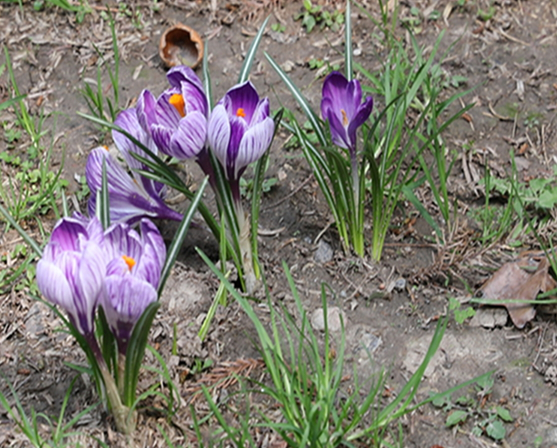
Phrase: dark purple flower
(132, 276)
(72, 270)
(240, 129)
(176, 120)
(129, 200)
(342, 106)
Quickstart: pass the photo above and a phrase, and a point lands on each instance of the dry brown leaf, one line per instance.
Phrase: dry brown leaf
(522, 279)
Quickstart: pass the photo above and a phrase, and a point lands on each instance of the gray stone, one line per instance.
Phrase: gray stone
(335, 318)
(369, 342)
(489, 317)
(324, 252)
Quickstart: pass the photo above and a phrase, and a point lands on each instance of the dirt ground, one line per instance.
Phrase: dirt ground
(390, 308)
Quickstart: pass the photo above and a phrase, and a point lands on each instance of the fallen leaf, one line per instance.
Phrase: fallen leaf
(522, 279)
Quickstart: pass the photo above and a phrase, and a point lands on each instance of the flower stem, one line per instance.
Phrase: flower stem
(124, 419)
(244, 238)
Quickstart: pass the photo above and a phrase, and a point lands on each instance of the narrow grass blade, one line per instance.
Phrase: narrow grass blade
(180, 235)
(136, 351)
(348, 42)
(266, 341)
(410, 196)
(250, 56)
(174, 394)
(11, 101)
(107, 341)
(207, 77)
(257, 192)
(30, 241)
(156, 163)
(219, 296)
(103, 200)
(312, 117)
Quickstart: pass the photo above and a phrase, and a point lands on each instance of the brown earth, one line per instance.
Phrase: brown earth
(511, 60)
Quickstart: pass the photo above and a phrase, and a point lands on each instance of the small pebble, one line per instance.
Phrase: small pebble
(324, 252)
(334, 319)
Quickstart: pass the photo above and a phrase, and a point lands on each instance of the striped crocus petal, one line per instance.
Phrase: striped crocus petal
(218, 133)
(185, 141)
(133, 275)
(150, 264)
(240, 129)
(145, 109)
(254, 143)
(126, 298)
(177, 119)
(128, 200)
(129, 122)
(342, 107)
(71, 275)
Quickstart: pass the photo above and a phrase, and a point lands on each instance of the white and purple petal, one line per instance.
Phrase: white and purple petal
(245, 97)
(218, 133)
(254, 143)
(146, 105)
(126, 298)
(128, 199)
(189, 138)
(181, 74)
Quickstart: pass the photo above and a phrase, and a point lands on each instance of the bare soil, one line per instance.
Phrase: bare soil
(510, 59)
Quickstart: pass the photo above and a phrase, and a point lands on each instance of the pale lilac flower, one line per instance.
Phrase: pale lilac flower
(129, 200)
(240, 129)
(342, 106)
(132, 276)
(177, 119)
(72, 270)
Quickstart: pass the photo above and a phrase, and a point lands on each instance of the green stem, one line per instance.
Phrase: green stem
(124, 419)
(244, 238)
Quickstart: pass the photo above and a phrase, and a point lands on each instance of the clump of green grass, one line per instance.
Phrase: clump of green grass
(60, 433)
(306, 382)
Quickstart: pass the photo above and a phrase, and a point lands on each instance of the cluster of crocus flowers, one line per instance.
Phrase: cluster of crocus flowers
(178, 123)
(84, 267)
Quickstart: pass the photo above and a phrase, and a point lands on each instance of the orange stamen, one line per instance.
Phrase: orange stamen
(129, 261)
(178, 102)
(344, 118)
(106, 147)
(240, 112)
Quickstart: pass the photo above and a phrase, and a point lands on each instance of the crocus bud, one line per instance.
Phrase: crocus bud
(177, 119)
(72, 270)
(342, 107)
(240, 129)
(132, 276)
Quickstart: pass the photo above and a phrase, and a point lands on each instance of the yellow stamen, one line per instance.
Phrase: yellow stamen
(344, 118)
(240, 112)
(178, 102)
(129, 261)
(106, 147)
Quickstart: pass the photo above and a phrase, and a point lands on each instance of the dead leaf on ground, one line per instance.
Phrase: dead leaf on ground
(522, 279)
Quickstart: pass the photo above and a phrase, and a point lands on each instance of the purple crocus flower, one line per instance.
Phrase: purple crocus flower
(240, 130)
(130, 197)
(132, 276)
(342, 106)
(177, 119)
(72, 270)
(129, 200)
